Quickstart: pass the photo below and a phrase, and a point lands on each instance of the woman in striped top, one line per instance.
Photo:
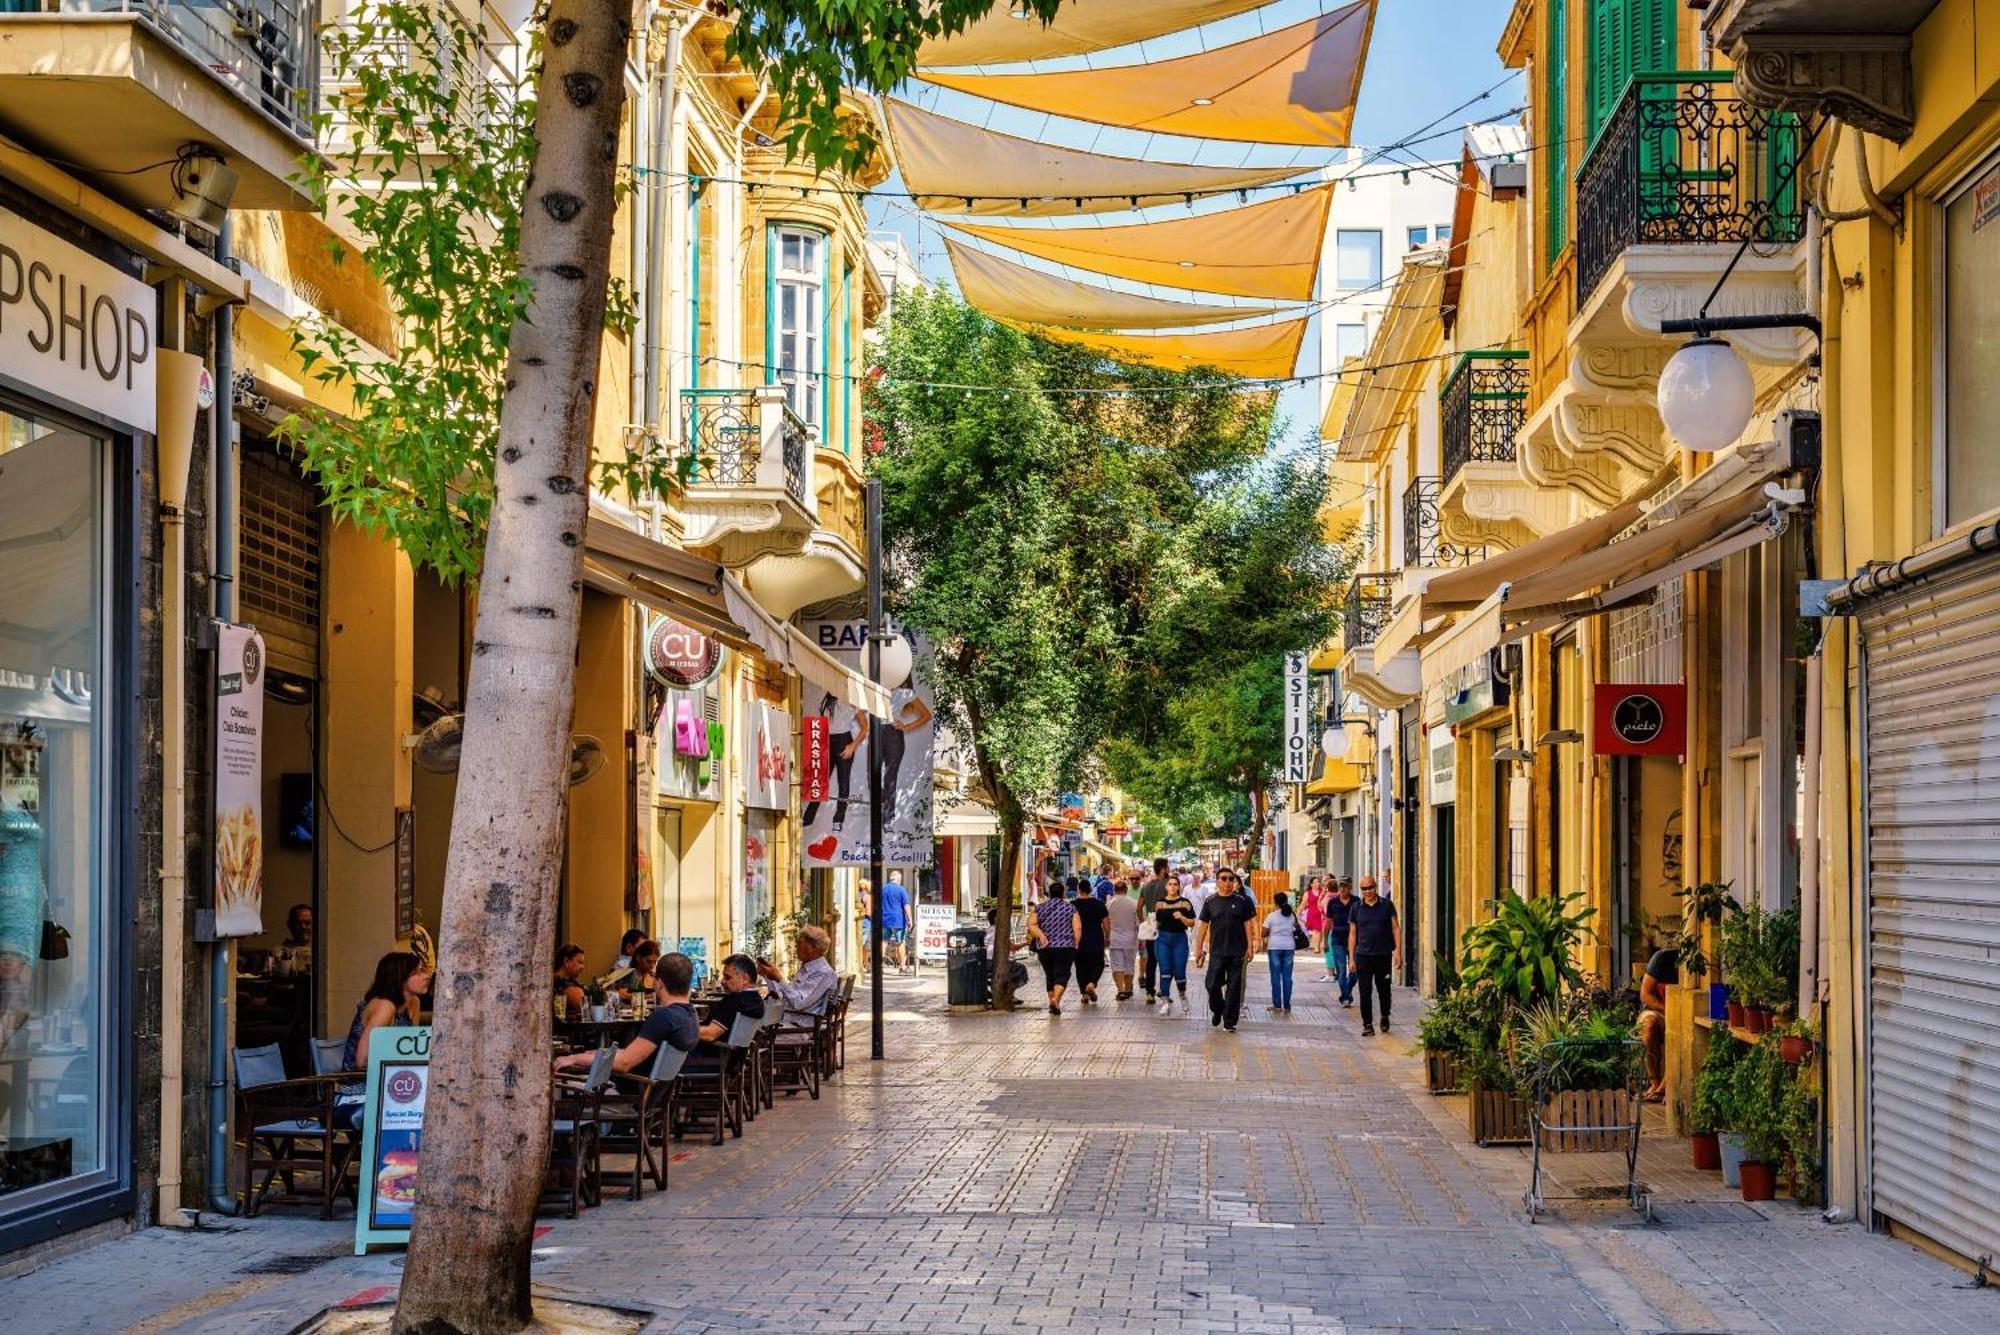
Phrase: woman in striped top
(1055, 930)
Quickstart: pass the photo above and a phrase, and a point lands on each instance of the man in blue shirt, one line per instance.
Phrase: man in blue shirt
(896, 920)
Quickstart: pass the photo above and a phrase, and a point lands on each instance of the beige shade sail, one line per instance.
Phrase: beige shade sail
(952, 167)
(1080, 27)
(1293, 86)
(1261, 250)
(1264, 352)
(1010, 291)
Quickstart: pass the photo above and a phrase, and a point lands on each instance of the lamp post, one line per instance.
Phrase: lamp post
(874, 519)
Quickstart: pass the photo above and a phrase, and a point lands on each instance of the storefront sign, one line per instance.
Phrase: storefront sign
(677, 772)
(239, 781)
(679, 656)
(934, 924)
(74, 327)
(398, 1084)
(767, 756)
(1986, 199)
(1641, 720)
(1298, 720)
(1443, 766)
(815, 757)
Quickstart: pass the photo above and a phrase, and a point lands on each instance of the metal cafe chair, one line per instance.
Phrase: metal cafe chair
(287, 1128)
(576, 1169)
(636, 1114)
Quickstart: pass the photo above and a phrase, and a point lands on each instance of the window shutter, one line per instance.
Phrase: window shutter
(1610, 60)
(1654, 47)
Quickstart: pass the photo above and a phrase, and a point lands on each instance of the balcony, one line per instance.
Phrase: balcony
(1386, 685)
(1485, 501)
(1683, 162)
(124, 89)
(1425, 544)
(1369, 598)
(832, 561)
(747, 465)
(480, 78)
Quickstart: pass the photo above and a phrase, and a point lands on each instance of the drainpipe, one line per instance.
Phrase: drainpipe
(222, 560)
(1809, 915)
(656, 350)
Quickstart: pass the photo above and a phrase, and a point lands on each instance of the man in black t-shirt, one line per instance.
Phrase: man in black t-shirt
(1375, 943)
(1228, 921)
(1663, 970)
(672, 1024)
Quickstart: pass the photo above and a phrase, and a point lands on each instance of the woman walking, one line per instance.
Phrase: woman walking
(1091, 915)
(1281, 943)
(1122, 937)
(1173, 917)
(1054, 930)
(1313, 911)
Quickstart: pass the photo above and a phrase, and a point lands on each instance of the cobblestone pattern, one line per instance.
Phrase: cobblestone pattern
(1110, 1170)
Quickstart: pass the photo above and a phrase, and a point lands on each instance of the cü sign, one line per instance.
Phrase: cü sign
(679, 656)
(1641, 720)
(74, 327)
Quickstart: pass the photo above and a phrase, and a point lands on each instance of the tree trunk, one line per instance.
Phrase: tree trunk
(1011, 822)
(486, 1121)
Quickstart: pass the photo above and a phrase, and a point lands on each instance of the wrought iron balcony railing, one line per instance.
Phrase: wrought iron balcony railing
(1369, 598)
(1682, 161)
(1483, 407)
(1424, 542)
(482, 77)
(745, 438)
(267, 50)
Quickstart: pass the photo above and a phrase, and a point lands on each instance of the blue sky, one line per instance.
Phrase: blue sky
(1427, 56)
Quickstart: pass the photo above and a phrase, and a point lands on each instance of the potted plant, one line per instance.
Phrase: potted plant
(1523, 954)
(1798, 1127)
(1450, 1030)
(1744, 946)
(596, 997)
(1796, 1042)
(1754, 1114)
(1704, 906)
(1709, 1114)
(1581, 1062)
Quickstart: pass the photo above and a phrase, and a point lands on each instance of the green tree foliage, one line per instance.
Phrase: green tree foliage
(814, 50)
(429, 168)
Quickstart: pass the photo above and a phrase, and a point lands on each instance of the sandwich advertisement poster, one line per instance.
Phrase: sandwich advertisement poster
(239, 781)
(399, 1079)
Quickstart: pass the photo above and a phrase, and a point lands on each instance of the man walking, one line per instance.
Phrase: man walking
(1228, 918)
(1338, 910)
(896, 920)
(1375, 942)
(1150, 895)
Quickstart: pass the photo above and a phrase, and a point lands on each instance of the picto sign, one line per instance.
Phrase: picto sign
(1641, 720)
(815, 757)
(1298, 720)
(679, 656)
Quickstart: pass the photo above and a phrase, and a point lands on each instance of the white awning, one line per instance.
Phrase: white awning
(968, 820)
(1469, 640)
(818, 667)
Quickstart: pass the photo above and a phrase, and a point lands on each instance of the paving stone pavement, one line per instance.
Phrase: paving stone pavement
(1110, 1170)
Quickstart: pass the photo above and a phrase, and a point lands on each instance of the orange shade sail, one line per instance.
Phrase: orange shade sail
(1010, 291)
(953, 167)
(1264, 352)
(1266, 250)
(1079, 27)
(1293, 86)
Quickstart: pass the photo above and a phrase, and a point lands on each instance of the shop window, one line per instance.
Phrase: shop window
(1970, 355)
(799, 290)
(1357, 259)
(58, 1099)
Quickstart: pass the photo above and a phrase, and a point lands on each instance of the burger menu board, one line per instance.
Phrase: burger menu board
(399, 1079)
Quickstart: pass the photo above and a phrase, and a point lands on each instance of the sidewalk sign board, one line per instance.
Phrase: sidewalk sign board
(399, 1080)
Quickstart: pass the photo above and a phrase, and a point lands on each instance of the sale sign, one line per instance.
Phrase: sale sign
(815, 757)
(1641, 720)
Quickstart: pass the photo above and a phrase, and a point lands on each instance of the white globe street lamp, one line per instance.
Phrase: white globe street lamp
(896, 660)
(1333, 743)
(1706, 396)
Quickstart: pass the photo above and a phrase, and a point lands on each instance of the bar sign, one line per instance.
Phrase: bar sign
(815, 757)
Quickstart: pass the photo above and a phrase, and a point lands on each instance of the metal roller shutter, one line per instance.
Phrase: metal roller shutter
(279, 560)
(1933, 813)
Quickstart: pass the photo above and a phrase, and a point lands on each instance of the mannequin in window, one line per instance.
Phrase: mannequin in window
(24, 898)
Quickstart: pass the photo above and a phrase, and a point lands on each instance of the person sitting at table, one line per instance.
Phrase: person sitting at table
(812, 986)
(569, 978)
(739, 997)
(645, 962)
(673, 1023)
(626, 945)
(402, 981)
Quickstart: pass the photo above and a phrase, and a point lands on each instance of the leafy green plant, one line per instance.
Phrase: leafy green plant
(1527, 948)
(1797, 1127)
(1706, 905)
(763, 932)
(1556, 1049)
(595, 994)
(1713, 1087)
(1459, 1021)
(1755, 1090)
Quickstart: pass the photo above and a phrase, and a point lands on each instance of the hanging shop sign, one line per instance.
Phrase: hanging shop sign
(1641, 720)
(74, 327)
(836, 822)
(239, 781)
(679, 656)
(392, 1135)
(815, 757)
(767, 756)
(1298, 719)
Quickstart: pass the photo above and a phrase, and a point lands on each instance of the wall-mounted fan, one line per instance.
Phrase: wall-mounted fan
(437, 749)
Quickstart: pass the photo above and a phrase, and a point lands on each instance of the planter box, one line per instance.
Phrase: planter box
(1496, 1117)
(1581, 1108)
(1443, 1073)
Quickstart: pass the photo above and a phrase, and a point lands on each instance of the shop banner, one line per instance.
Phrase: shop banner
(815, 757)
(239, 781)
(1640, 720)
(76, 328)
(934, 924)
(1298, 720)
(836, 825)
(767, 756)
(392, 1135)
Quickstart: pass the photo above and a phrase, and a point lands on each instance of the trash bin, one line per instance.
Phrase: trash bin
(969, 981)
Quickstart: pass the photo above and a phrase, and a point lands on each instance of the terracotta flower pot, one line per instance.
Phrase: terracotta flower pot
(1756, 1019)
(1735, 1013)
(1707, 1149)
(1760, 1180)
(1794, 1049)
